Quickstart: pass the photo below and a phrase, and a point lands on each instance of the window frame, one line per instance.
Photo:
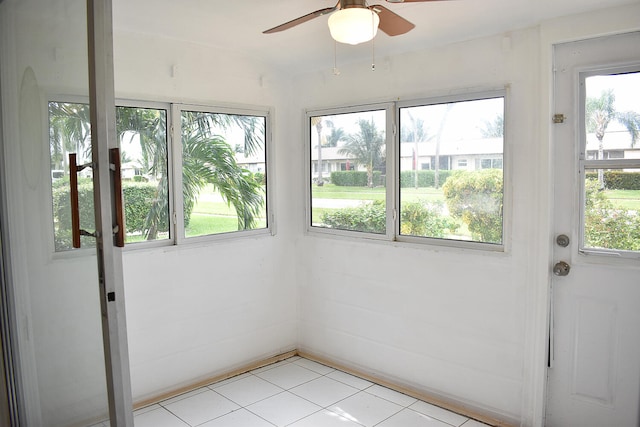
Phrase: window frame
(174, 172)
(585, 164)
(392, 134)
(389, 108)
(178, 213)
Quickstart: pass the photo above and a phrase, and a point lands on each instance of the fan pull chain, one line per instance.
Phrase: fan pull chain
(373, 43)
(336, 71)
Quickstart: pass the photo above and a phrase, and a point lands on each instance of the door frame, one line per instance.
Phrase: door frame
(109, 257)
(9, 402)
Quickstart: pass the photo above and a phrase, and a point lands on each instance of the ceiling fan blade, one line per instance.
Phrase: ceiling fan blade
(300, 20)
(391, 23)
(408, 1)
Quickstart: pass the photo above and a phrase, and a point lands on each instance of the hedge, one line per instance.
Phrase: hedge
(356, 178)
(617, 180)
(426, 178)
(138, 200)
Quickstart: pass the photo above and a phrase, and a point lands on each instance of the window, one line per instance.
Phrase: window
(220, 193)
(611, 165)
(353, 199)
(445, 183)
(461, 203)
(221, 164)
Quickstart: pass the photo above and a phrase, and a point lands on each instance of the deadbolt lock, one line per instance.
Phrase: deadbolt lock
(562, 240)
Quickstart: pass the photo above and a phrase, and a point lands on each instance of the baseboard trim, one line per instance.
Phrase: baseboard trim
(418, 394)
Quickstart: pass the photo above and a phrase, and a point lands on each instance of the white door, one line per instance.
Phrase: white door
(594, 379)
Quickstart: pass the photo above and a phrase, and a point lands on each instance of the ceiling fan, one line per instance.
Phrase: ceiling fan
(355, 22)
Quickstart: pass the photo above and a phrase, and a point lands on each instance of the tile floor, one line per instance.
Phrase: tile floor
(296, 392)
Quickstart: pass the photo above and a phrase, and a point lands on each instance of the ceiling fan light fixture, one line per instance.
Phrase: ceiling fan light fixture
(353, 25)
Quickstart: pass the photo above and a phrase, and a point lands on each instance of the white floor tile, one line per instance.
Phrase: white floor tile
(159, 417)
(283, 409)
(325, 418)
(324, 391)
(391, 395)
(239, 418)
(314, 366)
(349, 379)
(289, 375)
(248, 390)
(439, 413)
(146, 409)
(202, 407)
(365, 408)
(409, 418)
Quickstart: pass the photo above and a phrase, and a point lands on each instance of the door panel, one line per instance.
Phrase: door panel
(594, 379)
(60, 298)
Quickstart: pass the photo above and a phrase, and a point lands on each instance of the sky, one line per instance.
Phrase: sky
(626, 88)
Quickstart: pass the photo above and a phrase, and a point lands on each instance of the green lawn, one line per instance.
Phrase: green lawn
(211, 217)
(624, 199)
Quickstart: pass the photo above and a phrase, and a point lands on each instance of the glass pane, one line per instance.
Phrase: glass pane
(143, 146)
(611, 219)
(451, 157)
(223, 173)
(348, 188)
(70, 132)
(145, 186)
(612, 196)
(44, 51)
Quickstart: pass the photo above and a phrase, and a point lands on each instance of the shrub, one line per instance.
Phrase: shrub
(475, 197)
(368, 218)
(417, 219)
(425, 220)
(607, 227)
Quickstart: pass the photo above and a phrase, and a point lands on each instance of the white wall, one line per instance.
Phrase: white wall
(193, 311)
(464, 326)
(448, 322)
(206, 309)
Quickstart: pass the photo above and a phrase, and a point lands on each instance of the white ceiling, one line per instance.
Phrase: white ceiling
(237, 25)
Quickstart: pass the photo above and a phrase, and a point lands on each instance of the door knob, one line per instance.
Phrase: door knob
(561, 268)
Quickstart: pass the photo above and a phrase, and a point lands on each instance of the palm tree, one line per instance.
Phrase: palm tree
(436, 176)
(493, 129)
(335, 134)
(600, 112)
(317, 122)
(69, 132)
(366, 148)
(207, 157)
(414, 132)
(150, 126)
